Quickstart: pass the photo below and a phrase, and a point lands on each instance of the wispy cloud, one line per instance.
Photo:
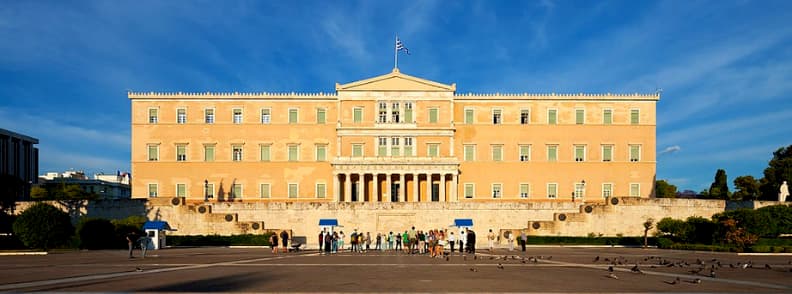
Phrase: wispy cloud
(669, 150)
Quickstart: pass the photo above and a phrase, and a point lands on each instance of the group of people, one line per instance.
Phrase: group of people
(284, 239)
(142, 241)
(411, 241)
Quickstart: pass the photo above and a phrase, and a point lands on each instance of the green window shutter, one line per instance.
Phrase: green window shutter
(181, 190)
(357, 115)
(152, 153)
(579, 153)
(469, 116)
(395, 150)
(497, 153)
(433, 150)
(579, 116)
(320, 190)
(321, 153)
(320, 116)
(382, 150)
(607, 116)
(357, 150)
(468, 153)
(265, 191)
(408, 115)
(525, 151)
(408, 151)
(292, 116)
(634, 152)
(292, 190)
(152, 190)
(209, 153)
(433, 115)
(265, 152)
(292, 153)
(551, 116)
(635, 190)
(524, 190)
(468, 190)
(552, 153)
(607, 153)
(634, 116)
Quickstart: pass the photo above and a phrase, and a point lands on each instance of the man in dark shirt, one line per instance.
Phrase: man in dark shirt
(285, 240)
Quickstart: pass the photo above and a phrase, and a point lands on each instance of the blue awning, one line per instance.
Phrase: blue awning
(463, 222)
(328, 222)
(156, 225)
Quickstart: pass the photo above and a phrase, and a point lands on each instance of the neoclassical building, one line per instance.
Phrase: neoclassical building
(392, 138)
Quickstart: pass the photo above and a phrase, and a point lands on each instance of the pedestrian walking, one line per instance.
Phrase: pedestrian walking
(285, 240)
(523, 239)
(451, 241)
(130, 237)
(274, 243)
(491, 240)
(143, 241)
(511, 241)
(341, 237)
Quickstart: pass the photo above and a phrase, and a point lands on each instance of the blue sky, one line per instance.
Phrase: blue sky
(725, 67)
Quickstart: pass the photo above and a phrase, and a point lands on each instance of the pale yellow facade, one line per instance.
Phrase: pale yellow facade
(393, 138)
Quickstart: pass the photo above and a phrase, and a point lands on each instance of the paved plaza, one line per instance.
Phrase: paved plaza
(540, 269)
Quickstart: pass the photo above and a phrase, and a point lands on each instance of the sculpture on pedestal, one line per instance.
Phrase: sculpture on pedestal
(784, 192)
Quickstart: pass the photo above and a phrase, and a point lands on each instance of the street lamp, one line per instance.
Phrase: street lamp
(206, 190)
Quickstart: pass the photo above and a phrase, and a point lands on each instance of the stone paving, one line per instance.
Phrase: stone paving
(539, 269)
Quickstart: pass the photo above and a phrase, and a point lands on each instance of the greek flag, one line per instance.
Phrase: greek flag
(400, 47)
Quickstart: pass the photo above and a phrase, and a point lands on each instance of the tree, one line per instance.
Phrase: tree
(648, 225)
(43, 226)
(747, 188)
(720, 187)
(665, 190)
(779, 169)
(39, 193)
(10, 190)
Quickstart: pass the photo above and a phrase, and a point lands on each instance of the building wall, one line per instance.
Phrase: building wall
(19, 158)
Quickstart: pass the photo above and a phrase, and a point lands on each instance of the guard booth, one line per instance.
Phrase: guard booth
(155, 231)
(328, 224)
(463, 223)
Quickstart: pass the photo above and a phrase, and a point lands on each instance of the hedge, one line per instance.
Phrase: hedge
(216, 240)
(43, 226)
(552, 240)
(96, 233)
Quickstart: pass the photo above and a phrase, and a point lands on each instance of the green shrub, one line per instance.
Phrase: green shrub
(553, 240)
(664, 243)
(781, 218)
(774, 241)
(753, 221)
(674, 229)
(96, 233)
(134, 221)
(215, 240)
(702, 247)
(43, 226)
(6, 222)
(700, 230)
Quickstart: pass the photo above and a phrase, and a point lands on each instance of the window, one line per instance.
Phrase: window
(209, 115)
(433, 150)
(469, 190)
(395, 146)
(181, 116)
(607, 116)
(181, 190)
(264, 152)
(607, 190)
(496, 116)
(153, 190)
(580, 116)
(357, 150)
(382, 146)
(552, 190)
(153, 152)
(408, 112)
(383, 112)
(209, 151)
(320, 115)
(469, 116)
(525, 116)
(497, 152)
(525, 152)
(496, 190)
(236, 152)
(580, 190)
(524, 190)
(181, 152)
(293, 116)
(264, 191)
(470, 152)
(357, 114)
(580, 153)
(634, 116)
(209, 190)
(395, 112)
(153, 115)
(635, 190)
(236, 191)
(635, 153)
(294, 152)
(293, 190)
(408, 146)
(265, 116)
(433, 115)
(607, 153)
(320, 190)
(552, 116)
(237, 115)
(321, 152)
(552, 153)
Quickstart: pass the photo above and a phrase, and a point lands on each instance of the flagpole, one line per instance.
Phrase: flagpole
(395, 53)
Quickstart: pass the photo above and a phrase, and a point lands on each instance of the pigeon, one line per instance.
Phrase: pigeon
(767, 266)
(696, 271)
(695, 281)
(612, 276)
(674, 282)
(607, 259)
(712, 274)
(447, 258)
(744, 266)
(637, 270)
(474, 257)
(596, 258)
(550, 257)
(473, 269)
(138, 269)
(500, 266)
(610, 268)
(491, 258)
(699, 261)
(731, 265)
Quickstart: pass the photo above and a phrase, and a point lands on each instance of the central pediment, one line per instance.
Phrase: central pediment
(396, 81)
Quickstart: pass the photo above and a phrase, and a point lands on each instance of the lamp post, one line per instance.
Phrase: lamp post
(206, 190)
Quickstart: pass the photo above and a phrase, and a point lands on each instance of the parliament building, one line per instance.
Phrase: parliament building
(393, 138)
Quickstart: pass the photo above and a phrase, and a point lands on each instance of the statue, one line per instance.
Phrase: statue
(784, 192)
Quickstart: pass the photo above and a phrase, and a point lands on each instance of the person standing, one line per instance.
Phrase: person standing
(341, 237)
(398, 242)
(321, 240)
(523, 239)
(328, 243)
(353, 240)
(511, 241)
(378, 245)
(491, 239)
(471, 242)
(390, 240)
(335, 243)
(462, 241)
(285, 241)
(451, 241)
(143, 241)
(130, 237)
(368, 241)
(274, 243)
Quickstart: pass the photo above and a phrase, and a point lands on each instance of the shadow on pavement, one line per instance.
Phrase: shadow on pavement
(219, 284)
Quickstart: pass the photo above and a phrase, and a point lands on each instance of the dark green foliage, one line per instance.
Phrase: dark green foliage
(780, 217)
(664, 243)
(774, 242)
(11, 189)
(700, 230)
(747, 188)
(673, 229)
(779, 169)
(96, 233)
(215, 240)
(6, 222)
(43, 226)
(665, 190)
(552, 240)
(720, 187)
(753, 221)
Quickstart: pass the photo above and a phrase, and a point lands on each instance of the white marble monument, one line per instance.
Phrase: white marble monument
(783, 192)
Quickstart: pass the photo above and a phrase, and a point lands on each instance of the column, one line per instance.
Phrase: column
(388, 187)
(442, 188)
(402, 187)
(415, 188)
(336, 187)
(388, 114)
(348, 187)
(429, 187)
(454, 190)
(360, 186)
(375, 194)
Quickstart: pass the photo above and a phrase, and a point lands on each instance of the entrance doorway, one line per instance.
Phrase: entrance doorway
(354, 191)
(394, 192)
(435, 192)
